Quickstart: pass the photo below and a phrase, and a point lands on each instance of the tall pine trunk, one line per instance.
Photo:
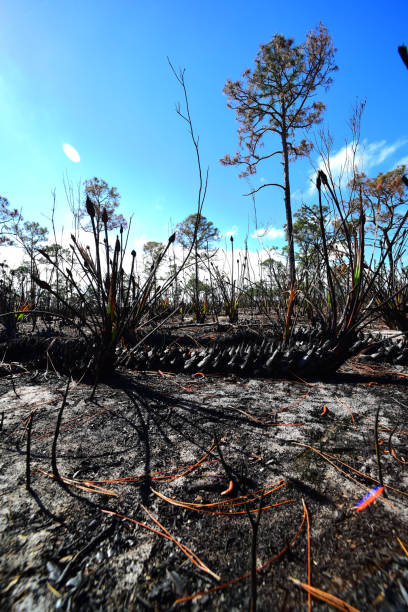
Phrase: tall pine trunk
(288, 210)
(289, 230)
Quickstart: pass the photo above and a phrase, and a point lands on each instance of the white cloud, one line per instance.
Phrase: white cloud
(272, 233)
(231, 232)
(388, 150)
(366, 156)
(139, 242)
(12, 255)
(403, 161)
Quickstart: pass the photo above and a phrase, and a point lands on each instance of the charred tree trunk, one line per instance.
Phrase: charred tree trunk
(288, 210)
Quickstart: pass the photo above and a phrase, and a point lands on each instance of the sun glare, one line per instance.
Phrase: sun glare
(71, 153)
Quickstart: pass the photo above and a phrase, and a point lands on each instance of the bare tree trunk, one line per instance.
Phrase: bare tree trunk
(199, 312)
(288, 210)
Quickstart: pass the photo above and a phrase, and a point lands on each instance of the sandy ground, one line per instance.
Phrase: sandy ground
(144, 456)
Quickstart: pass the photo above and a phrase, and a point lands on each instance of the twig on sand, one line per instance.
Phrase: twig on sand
(28, 452)
(57, 429)
(377, 451)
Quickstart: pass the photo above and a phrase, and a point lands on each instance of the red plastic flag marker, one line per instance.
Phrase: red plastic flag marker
(369, 498)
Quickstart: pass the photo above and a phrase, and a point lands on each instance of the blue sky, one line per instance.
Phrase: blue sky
(94, 74)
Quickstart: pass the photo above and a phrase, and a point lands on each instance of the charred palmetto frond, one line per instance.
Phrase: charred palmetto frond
(402, 50)
(42, 284)
(87, 258)
(90, 207)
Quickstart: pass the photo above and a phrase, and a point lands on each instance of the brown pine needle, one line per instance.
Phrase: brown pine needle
(158, 475)
(287, 425)
(53, 590)
(195, 465)
(337, 603)
(325, 457)
(349, 410)
(249, 416)
(165, 534)
(170, 375)
(402, 546)
(84, 485)
(309, 597)
(151, 476)
(282, 503)
(304, 382)
(187, 551)
(243, 499)
(244, 576)
(366, 476)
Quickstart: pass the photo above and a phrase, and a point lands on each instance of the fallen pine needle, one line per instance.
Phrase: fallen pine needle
(194, 466)
(347, 407)
(165, 534)
(84, 485)
(324, 596)
(171, 376)
(187, 551)
(11, 583)
(304, 382)
(243, 499)
(249, 416)
(287, 425)
(53, 590)
(309, 597)
(244, 576)
(281, 503)
(325, 457)
(402, 546)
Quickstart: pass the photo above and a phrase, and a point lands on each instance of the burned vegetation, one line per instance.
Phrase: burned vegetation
(210, 440)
